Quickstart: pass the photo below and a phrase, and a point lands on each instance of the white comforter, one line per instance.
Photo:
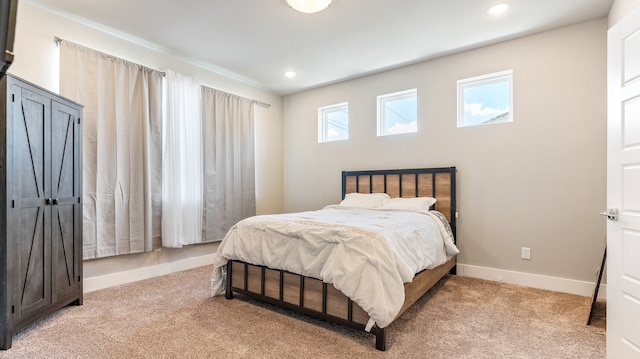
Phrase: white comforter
(367, 254)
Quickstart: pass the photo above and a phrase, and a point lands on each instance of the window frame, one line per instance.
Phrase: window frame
(323, 121)
(482, 80)
(381, 100)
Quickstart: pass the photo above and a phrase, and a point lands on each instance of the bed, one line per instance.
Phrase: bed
(351, 297)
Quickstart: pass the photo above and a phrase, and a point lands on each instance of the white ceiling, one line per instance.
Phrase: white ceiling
(255, 41)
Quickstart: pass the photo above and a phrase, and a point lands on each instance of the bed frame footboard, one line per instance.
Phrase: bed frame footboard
(302, 294)
(320, 300)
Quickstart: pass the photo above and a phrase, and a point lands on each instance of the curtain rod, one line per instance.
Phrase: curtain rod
(262, 104)
(58, 40)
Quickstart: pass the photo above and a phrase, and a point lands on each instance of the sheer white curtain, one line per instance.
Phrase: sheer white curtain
(122, 149)
(182, 162)
(229, 162)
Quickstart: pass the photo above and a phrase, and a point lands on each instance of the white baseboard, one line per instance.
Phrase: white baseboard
(557, 284)
(134, 275)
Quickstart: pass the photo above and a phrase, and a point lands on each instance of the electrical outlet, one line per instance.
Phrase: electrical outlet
(525, 253)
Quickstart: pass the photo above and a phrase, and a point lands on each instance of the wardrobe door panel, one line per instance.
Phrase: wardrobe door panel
(31, 192)
(66, 193)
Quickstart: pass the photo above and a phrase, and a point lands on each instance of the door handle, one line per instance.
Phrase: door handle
(611, 213)
(55, 201)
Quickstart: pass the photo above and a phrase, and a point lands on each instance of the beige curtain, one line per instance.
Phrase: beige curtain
(229, 164)
(122, 149)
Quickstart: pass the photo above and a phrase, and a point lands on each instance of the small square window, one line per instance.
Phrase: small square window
(333, 123)
(486, 99)
(398, 113)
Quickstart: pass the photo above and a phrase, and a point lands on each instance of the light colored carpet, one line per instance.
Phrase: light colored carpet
(174, 317)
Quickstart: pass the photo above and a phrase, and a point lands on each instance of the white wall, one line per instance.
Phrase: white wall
(37, 60)
(538, 182)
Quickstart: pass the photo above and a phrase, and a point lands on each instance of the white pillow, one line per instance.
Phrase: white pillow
(409, 203)
(364, 200)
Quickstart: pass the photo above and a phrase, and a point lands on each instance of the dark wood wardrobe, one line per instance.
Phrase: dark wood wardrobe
(41, 204)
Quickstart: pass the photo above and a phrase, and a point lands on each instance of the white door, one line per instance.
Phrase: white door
(623, 189)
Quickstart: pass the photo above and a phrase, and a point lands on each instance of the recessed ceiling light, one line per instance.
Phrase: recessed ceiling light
(498, 9)
(309, 6)
(290, 74)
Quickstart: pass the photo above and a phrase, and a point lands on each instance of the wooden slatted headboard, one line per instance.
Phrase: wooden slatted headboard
(439, 183)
